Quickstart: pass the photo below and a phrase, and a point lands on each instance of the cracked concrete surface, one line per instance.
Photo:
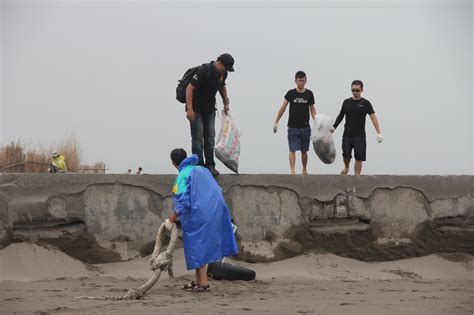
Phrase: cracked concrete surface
(100, 218)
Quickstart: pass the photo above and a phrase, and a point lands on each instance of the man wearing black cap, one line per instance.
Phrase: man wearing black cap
(201, 106)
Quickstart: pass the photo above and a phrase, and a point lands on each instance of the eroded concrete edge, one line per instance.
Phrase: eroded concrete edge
(344, 204)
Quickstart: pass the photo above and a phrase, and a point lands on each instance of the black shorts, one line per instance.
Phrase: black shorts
(358, 144)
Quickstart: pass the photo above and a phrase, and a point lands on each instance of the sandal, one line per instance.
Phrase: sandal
(189, 286)
(201, 288)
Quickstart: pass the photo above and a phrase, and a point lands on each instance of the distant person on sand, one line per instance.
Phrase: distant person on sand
(355, 109)
(58, 163)
(301, 102)
(205, 219)
(139, 170)
(129, 171)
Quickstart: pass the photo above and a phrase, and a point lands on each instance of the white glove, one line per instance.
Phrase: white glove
(275, 127)
(379, 137)
(332, 129)
(168, 224)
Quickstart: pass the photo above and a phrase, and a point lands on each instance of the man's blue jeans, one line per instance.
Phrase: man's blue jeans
(202, 137)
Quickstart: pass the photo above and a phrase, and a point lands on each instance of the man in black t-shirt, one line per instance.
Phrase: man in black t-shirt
(356, 109)
(301, 102)
(201, 106)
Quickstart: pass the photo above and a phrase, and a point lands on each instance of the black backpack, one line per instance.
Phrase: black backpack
(183, 83)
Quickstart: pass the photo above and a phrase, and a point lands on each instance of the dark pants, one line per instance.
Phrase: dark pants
(358, 144)
(202, 137)
(54, 169)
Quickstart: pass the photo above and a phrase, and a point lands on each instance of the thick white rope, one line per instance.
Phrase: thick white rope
(158, 262)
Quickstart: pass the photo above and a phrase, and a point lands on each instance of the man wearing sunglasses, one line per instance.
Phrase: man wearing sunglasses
(355, 109)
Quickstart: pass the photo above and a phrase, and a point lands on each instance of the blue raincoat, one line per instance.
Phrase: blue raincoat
(204, 215)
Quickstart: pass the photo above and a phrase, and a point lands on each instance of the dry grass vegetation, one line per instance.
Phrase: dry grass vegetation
(18, 157)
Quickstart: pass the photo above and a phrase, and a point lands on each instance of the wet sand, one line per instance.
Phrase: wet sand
(307, 284)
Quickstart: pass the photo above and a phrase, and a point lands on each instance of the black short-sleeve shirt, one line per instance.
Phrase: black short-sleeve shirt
(207, 82)
(299, 108)
(355, 112)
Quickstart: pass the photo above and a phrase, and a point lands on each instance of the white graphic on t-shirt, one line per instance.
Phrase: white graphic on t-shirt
(300, 100)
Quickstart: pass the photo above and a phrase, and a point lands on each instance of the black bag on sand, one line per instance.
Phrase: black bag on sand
(226, 271)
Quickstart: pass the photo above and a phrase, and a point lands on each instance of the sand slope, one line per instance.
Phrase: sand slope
(318, 267)
(30, 262)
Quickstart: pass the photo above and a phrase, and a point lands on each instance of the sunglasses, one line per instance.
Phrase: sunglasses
(354, 90)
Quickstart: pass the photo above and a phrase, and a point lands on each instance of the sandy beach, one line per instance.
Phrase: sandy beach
(42, 280)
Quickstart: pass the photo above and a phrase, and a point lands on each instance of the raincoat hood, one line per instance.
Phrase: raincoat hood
(192, 160)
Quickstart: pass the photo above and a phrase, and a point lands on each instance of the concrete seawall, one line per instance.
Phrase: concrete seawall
(104, 218)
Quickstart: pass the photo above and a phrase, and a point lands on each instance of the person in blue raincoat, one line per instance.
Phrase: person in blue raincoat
(205, 219)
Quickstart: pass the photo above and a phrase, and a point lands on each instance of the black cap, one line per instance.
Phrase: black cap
(227, 61)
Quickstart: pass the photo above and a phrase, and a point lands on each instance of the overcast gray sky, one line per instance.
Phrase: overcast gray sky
(107, 71)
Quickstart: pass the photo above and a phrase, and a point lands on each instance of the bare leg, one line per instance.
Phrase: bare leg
(198, 277)
(292, 158)
(201, 275)
(358, 167)
(304, 161)
(345, 171)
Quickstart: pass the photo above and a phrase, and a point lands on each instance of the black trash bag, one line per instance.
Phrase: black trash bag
(230, 272)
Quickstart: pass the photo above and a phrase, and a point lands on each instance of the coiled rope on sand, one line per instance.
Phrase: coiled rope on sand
(160, 260)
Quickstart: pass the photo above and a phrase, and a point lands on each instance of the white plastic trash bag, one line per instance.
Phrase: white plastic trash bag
(323, 142)
(227, 148)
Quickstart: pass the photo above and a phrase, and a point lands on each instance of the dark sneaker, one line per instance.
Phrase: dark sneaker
(213, 170)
